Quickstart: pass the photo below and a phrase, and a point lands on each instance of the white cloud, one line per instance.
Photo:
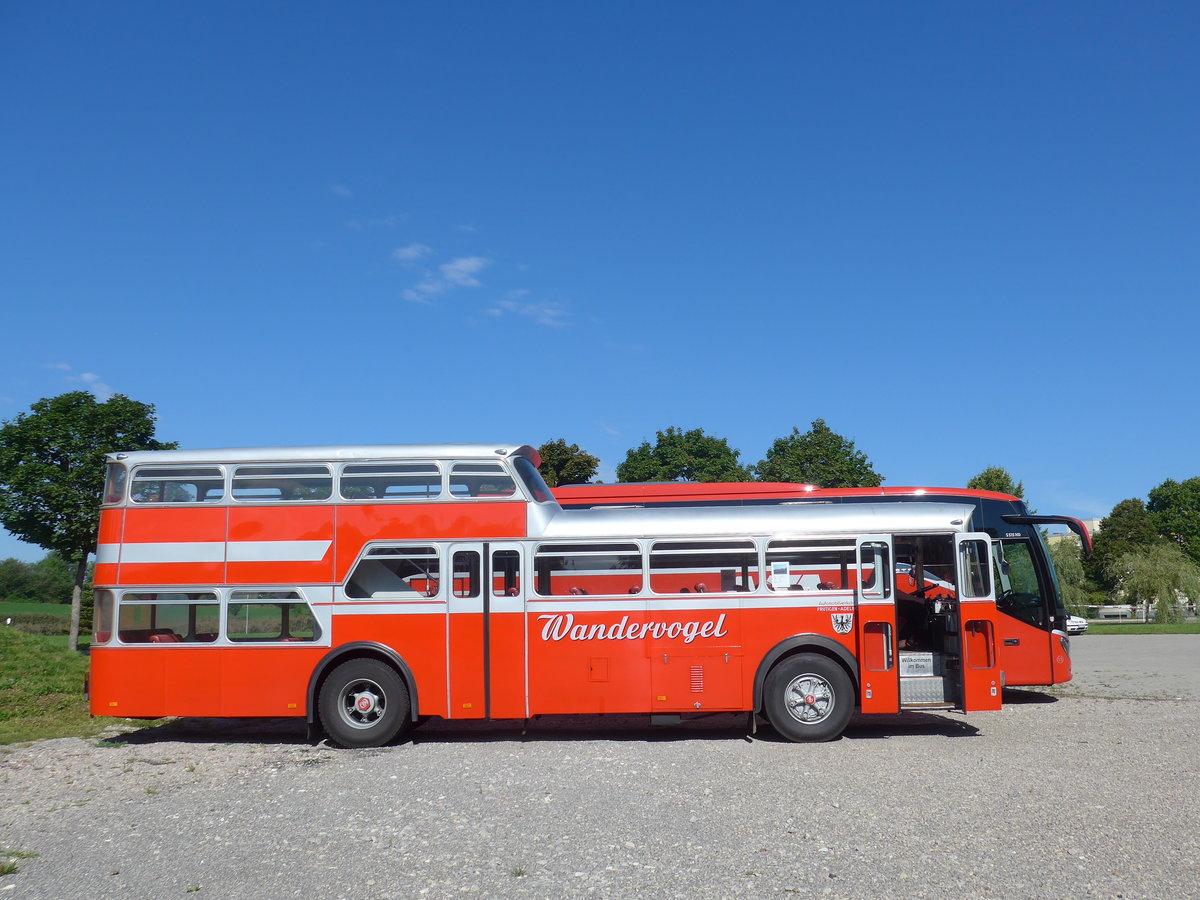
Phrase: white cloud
(458, 273)
(340, 190)
(382, 222)
(96, 386)
(542, 313)
(412, 252)
(90, 380)
(421, 293)
(461, 272)
(412, 295)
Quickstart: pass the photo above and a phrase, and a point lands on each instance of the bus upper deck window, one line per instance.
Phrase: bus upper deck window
(391, 481)
(481, 480)
(177, 484)
(281, 484)
(114, 484)
(532, 479)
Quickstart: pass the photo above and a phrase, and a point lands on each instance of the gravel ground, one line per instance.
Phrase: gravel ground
(1088, 790)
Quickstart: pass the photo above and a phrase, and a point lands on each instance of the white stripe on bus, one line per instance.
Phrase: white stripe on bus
(214, 552)
(277, 551)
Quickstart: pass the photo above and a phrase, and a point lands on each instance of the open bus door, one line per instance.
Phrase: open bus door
(947, 641)
(875, 618)
(978, 660)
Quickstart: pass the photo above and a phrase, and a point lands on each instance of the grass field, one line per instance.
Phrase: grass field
(50, 609)
(41, 689)
(1143, 628)
(41, 683)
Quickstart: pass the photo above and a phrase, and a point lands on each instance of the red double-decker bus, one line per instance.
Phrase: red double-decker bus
(1034, 648)
(365, 588)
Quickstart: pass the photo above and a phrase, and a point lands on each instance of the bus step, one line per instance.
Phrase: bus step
(925, 689)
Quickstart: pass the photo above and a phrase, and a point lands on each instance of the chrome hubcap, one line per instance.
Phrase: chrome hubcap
(809, 699)
(363, 704)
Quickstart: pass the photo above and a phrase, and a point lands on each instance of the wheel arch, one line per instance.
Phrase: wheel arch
(359, 650)
(803, 643)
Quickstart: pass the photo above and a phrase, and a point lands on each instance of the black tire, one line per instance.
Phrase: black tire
(809, 697)
(363, 703)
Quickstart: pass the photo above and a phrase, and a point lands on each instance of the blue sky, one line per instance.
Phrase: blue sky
(963, 234)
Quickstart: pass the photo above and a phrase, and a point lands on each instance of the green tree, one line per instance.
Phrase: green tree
(564, 463)
(1127, 528)
(995, 478)
(1067, 557)
(15, 579)
(52, 473)
(818, 456)
(679, 455)
(1161, 574)
(1174, 506)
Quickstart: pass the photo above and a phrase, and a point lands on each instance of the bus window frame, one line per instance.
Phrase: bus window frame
(131, 496)
(340, 481)
(230, 598)
(121, 603)
(233, 473)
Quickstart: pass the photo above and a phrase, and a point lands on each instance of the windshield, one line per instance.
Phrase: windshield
(1018, 589)
(532, 479)
(1056, 602)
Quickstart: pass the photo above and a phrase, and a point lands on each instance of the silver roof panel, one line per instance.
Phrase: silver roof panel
(849, 518)
(233, 455)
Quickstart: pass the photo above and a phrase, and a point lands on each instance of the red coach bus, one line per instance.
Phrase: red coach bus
(1034, 648)
(365, 588)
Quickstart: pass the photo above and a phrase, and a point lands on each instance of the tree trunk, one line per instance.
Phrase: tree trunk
(77, 602)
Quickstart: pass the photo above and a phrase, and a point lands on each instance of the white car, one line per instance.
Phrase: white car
(1076, 625)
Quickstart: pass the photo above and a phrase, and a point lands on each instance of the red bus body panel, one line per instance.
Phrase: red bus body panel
(677, 639)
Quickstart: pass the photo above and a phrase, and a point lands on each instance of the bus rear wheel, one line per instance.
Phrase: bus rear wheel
(809, 697)
(363, 703)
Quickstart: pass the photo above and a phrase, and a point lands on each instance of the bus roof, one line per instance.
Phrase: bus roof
(328, 454)
(651, 491)
(898, 491)
(693, 491)
(856, 518)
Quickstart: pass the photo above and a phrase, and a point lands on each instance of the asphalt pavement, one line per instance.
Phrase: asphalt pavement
(1084, 790)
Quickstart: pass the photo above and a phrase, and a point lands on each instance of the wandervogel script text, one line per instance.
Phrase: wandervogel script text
(559, 626)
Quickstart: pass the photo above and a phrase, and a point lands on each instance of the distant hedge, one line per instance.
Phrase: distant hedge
(38, 623)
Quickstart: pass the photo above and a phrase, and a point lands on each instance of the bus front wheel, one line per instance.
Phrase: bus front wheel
(363, 703)
(809, 697)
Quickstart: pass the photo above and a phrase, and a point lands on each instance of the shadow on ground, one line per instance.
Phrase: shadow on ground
(1024, 696)
(216, 731)
(910, 724)
(566, 728)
